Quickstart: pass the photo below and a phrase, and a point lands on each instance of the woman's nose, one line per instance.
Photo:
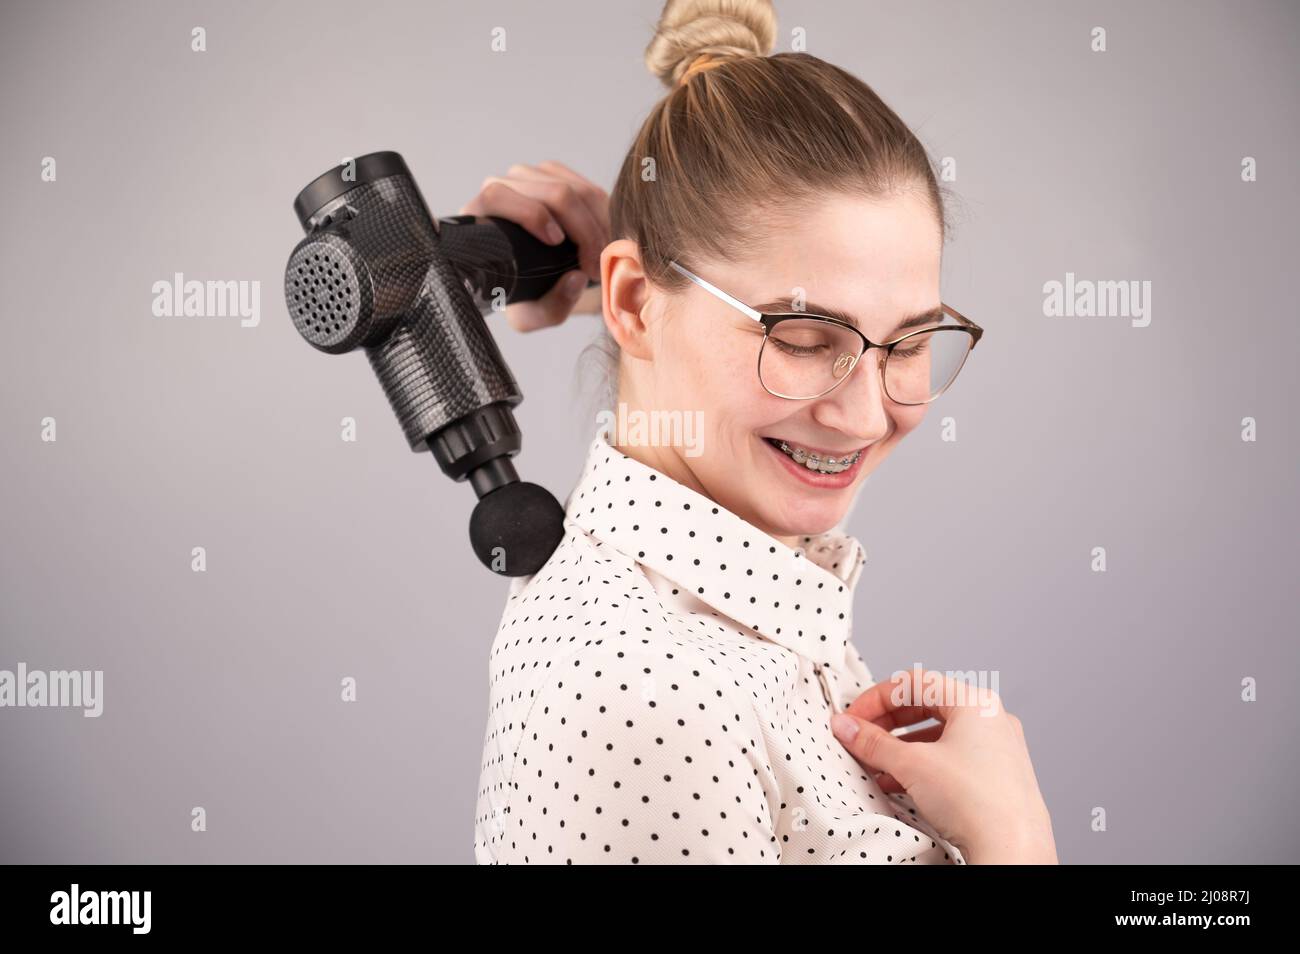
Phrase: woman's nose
(857, 405)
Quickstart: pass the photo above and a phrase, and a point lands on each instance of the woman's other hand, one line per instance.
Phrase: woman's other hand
(551, 201)
(970, 776)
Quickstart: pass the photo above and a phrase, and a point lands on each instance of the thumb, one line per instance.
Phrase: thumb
(572, 284)
(559, 301)
(873, 747)
(552, 308)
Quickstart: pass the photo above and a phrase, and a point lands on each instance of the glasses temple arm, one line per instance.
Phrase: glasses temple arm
(712, 289)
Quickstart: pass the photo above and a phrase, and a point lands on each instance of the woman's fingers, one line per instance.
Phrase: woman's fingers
(973, 781)
(497, 197)
(909, 697)
(590, 302)
(564, 203)
(931, 734)
(881, 752)
(888, 784)
(552, 308)
(551, 201)
(597, 199)
(872, 746)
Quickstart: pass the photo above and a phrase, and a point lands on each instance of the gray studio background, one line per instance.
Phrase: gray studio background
(329, 559)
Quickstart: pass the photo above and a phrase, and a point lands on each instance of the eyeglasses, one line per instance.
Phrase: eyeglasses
(804, 356)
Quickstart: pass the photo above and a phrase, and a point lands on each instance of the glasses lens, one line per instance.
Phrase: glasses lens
(804, 357)
(922, 365)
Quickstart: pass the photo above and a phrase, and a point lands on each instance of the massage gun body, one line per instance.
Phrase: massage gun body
(377, 272)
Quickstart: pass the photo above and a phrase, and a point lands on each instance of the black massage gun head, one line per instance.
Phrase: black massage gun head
(515, 528)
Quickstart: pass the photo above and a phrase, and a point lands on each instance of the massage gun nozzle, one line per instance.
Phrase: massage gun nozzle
(478, 448)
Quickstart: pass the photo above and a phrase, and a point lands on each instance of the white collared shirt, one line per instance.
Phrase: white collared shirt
(661, 692)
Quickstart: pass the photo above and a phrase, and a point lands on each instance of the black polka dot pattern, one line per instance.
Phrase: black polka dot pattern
(661, 692)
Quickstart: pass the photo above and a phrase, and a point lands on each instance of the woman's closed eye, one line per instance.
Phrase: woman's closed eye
(912, 351)
(800, 351)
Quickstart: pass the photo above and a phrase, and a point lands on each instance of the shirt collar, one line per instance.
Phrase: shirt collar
(801, 599)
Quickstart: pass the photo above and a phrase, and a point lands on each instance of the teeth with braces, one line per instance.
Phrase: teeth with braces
(813, 461)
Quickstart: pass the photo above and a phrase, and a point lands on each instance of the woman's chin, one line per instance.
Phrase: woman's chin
(796, 511)
(799, 518)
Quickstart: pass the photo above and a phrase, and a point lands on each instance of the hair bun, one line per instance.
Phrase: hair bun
(688, 29)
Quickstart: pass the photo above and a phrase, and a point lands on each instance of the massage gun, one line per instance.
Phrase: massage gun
(376, 271)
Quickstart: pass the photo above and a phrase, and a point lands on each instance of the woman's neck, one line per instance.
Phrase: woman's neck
(668, 462)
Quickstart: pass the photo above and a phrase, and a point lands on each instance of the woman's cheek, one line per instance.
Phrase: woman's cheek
(905, 419)
(913, 416)
(711, 379)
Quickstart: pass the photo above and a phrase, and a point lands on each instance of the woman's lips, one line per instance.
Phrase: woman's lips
(813, 478)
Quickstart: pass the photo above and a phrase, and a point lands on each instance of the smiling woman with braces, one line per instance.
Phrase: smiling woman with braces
(672, 687)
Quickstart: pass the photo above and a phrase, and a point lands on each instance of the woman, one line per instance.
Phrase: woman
(677, 683)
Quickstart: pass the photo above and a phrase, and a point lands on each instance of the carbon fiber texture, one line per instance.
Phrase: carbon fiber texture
(483, 256)
(375, 276)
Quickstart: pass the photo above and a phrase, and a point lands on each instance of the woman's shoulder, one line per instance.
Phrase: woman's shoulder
(592, 605)
(583, 584)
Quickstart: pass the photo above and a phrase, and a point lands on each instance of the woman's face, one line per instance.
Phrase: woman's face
(690, 352)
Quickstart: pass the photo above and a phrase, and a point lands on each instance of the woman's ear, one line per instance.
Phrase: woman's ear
(626, 292)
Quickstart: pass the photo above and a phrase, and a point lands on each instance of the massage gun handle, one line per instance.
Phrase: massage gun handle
(492, 252)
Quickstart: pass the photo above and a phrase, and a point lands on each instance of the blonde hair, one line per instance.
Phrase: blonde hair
(743, 141)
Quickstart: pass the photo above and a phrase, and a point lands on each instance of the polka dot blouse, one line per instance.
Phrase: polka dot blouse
(661, 692)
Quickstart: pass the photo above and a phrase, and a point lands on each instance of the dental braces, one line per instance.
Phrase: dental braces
(814, 462)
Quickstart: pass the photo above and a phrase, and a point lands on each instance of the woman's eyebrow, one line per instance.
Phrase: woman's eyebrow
(786, 305)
